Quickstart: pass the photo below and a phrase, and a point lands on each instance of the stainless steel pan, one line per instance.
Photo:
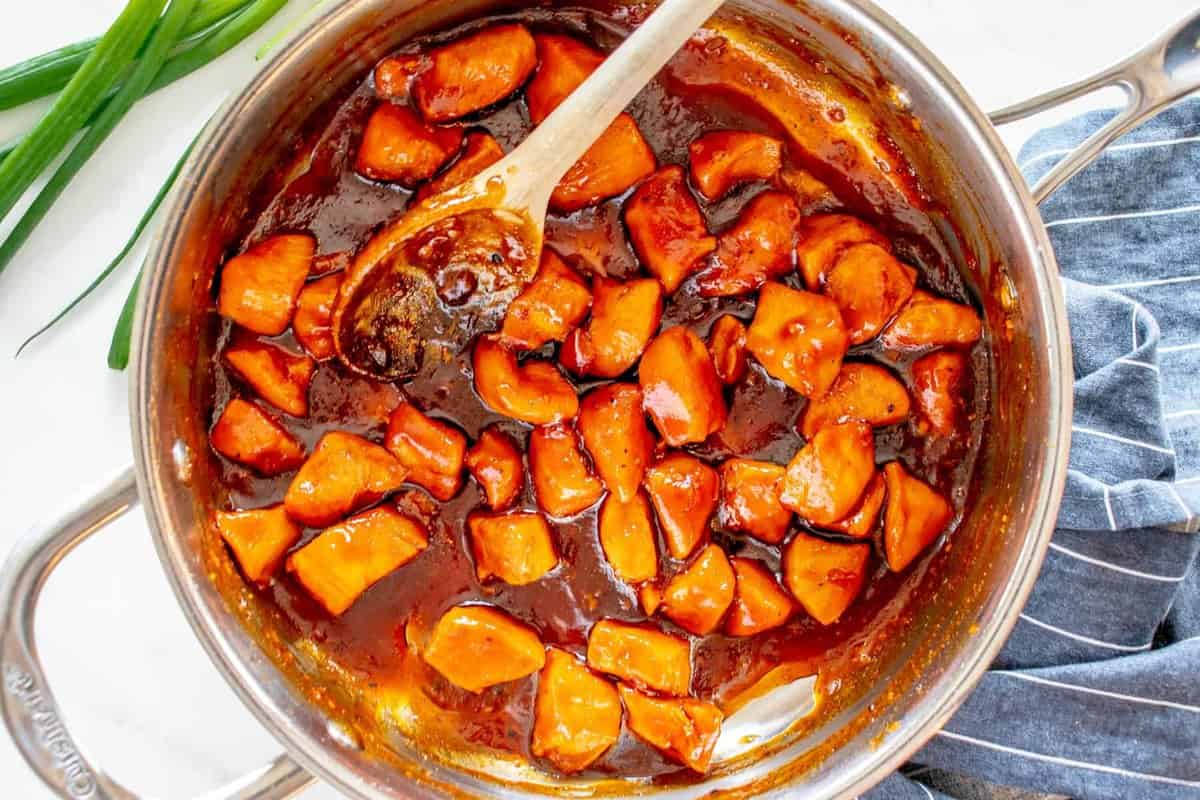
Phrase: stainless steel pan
(970, 600)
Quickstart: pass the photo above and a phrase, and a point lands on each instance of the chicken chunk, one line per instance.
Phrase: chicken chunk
(684, 492)
(823, 238)
(758, 248)
(534, 392)
(515, 548)
(680, 388)
(625, 316)
(480, 151)
(938, 385)
(824, 576)
(475, 646)
(750, 499)
(721, 160)
(666, 228)
(495, 462)
(248, 435)
(869, 286)
(474, 72)
(577, 714)
(549, 308)
(619, 160)
(614, 431)
(312, 324)
(799, 338)
(561, 474)
(697, 598)
(399, 146)
(727, 345)
(643, 656)
(829, 474)
(394, 75)
(565, 62)
(344, 473)
(684, 730)
(431, 450)
(862, 521)
(628, 539)
(759, 603)
(915, 517)
(277, 376)
(259, 539)
(932, 321)
(259, 287)
(865, 392)
(347, 559)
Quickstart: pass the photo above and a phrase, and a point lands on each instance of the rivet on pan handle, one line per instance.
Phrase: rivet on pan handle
(26, 702)
(1158, 75)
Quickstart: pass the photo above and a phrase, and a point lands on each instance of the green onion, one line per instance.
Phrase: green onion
(155, 53)
(78, 101)
(46, 74)
(120, 257)
(118, 348)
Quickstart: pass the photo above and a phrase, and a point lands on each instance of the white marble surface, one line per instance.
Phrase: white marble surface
(137, 689)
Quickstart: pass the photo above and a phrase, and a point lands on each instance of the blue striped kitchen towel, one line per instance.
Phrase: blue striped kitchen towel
(1097, 693)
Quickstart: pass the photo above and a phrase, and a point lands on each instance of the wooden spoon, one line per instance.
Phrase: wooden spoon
(425, 284)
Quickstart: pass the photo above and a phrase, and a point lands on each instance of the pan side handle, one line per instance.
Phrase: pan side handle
(1160, 74)
(29, 708)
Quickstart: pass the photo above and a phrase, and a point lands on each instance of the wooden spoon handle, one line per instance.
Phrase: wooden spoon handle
(534, 168)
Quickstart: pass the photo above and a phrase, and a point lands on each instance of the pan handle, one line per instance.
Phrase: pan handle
(26, 703)
(1158, 75)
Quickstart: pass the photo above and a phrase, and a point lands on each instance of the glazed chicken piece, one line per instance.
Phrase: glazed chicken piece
(259, 287)
(495, 462)
(932, 321)
(312, 324)
(684, 730)
(799, 338)
(823, 238)
(721, 160)
(864, 519)
(516, 548)
(431, 450)
(474, 72)
(480, 151)
(347, 559)
(250, 436)
(627, 536)
(758, 248)
(938, 386)
(759, 602)
(750, 499)
(643, 656)
(697, 598)
(915, 516)
(727, 345)
(829, 474)
(618, 160)
(577, 713)
(869, 286)
(625, 316)
(562, 477)
(549, 308)
(400, 147)
(475, 647)
(684, 492)
(865, 392)
(533, 392)
(666, 228)
(394, 75)
(344, 473)
(614, 431)
(824, 576)
(277, 376)
(680, 388)
(259, 539)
